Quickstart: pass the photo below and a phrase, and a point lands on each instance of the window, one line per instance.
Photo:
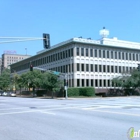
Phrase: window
(122, 55)
(107, 54)
(71, 51)
(137, 58)
(103, 53)
(72, 67)
(119, 55)
(82, 51)
(86, 52)
(78, 67)
(87, 67)
(92, 82)
(115, 55)
(104, 68)
(108, 69)
(95, 53)
(96, 83)
(64, 54)
(126, 56)
(87, 82)
(58, 56)
(119, 69)
(61, 54)
(116, 69)
(112, 69)
(78, 82)
(91, 52)
(108, 81)
(66, 68)
(100, 68)
(133, 57)
(96, 69)
(100, 81)
(100, 53)
(82, 67)
(104, 83)
(112, 54)
(130, 56)
(82, 82)
(126, 69)
(91, 67)
(77, 51)
(123, 69)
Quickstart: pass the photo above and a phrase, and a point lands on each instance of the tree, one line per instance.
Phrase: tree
(5, 80)
(129, 82)
(31, 79)
(51, 82)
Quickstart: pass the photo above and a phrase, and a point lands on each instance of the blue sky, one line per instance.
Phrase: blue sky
(65, 19)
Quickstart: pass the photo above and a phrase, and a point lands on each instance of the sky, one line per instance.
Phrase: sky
(65, 19)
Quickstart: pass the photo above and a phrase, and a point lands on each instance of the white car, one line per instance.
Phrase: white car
(4, 94)
(13, 94)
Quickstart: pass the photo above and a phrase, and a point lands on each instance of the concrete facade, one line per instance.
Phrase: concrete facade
(87, 62)
(8, 59)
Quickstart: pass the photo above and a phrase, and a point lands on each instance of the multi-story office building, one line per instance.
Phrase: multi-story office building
(87, 62)
(8, 59)
(0, 65)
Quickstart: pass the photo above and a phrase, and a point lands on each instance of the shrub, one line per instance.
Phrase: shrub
(85, 91)
(73, 92)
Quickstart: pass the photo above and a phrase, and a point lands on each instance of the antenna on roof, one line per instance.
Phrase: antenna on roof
(104, 32)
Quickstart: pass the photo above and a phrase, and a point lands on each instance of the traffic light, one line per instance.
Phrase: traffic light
(138, 68)
(31, 67)
(46, 41)
(65, 82)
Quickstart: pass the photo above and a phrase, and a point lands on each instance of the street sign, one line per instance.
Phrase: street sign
(66, 87)
(56, 72)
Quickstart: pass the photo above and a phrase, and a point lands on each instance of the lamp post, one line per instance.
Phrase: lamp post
(26, 50)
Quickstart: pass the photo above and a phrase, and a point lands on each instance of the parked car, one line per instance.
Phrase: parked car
(1, 92)
(12, 94)
(4, 94)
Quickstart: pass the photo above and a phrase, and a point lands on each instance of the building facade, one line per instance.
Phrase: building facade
(8, 59)
(0, 65)
(87, 63)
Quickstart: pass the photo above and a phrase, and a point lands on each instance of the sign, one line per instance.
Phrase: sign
(31, 89)
(56, 72)
(10, 52)
(66, 87)
(14, 88)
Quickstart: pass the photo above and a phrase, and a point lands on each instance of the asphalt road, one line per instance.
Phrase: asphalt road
(72, 119)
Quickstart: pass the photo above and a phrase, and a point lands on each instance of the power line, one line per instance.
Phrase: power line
(21, 39)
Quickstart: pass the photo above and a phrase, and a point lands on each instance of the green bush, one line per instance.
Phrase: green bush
(85, 91)
(73, 92)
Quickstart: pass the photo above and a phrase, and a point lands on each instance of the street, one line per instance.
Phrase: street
(71, 119)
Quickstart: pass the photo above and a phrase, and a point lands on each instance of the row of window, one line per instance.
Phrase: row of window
(47, 59)
(102, 68)
(107, 54)
(54, 57)
(92, 83)
(14, 57)
(62, 69)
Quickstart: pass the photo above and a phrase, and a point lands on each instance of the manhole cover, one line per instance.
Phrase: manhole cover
(32, 107)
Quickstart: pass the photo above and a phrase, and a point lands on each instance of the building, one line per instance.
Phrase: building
(87, 63)
(9, 58)
(0, 64)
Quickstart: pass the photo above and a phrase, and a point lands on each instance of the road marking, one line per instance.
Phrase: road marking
(11, 113)
(120, 113)
(14, 108)
(47, 112)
